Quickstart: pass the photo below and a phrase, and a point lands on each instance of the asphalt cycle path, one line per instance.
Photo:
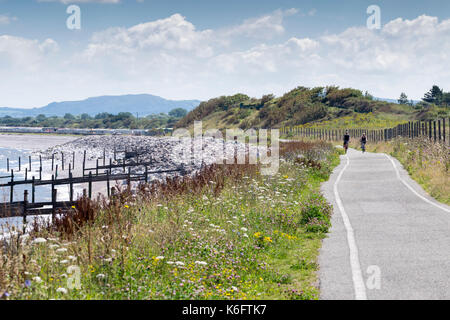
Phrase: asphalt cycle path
(389, 239)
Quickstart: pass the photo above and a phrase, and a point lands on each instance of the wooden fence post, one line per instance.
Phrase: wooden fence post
(33, 190)
(11, 195)
(434, 130)
(90, 185)
(54, 196)
(443, 127)
(439, 130)
(24, 212)
(70, 186)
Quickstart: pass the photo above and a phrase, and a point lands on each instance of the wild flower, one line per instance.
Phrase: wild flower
(100, 276)
(39, 240)
(37, 279)
(244, 229)
(61, 250)
(61, 290)
(203, 263)
(179, 263)
(267, 239)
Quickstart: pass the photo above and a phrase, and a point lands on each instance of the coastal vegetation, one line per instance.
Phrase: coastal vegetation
(331, 107)
(226, 233)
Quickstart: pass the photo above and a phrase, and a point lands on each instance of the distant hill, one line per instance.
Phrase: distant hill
(144, 104)
(330, 107)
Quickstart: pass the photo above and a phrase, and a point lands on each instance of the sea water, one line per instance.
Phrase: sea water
(42, 193)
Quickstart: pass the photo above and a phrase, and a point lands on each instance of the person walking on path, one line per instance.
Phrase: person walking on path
(346, 140)
(363, 141)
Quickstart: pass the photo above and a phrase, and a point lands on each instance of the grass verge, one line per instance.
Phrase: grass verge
(228, 233)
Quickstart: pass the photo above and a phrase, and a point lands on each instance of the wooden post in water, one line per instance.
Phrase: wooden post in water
(24, 212)
(107, 183)
(54, 195)
(7, 164)
(29, 162)
(26, 174)
(70, 186)
(33, 190)
(84, 161)
(62, 161)
(56, 172)
(73, 160)
(20, 166)
(53, 161)
(11, 194)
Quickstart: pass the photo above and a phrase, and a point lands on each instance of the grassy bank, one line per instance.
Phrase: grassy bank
(228, 233)
(427, 163)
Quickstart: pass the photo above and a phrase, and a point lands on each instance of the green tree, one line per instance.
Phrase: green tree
(446, 99)
(41, 117)
(178, 113)
(69, 116)
(403, 98)
(435, 95)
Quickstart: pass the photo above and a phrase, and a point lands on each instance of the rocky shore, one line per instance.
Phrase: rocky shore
(163, 153)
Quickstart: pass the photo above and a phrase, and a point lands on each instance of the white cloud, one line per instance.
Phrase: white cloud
(265, 27)
(173, 58)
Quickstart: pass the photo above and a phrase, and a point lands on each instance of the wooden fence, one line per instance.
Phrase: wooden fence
(98, 173)
(437, 131)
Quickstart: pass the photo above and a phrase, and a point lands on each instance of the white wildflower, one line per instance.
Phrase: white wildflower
(39, 240)
(37, 279)
(62, 290)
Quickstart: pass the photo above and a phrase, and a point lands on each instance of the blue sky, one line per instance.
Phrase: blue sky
(200, 49)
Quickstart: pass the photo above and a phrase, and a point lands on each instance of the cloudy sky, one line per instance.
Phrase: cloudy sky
(198, 49)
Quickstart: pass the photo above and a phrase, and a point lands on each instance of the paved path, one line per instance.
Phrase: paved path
(386, 228)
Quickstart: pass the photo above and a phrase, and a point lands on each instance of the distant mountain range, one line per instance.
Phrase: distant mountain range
(143, 104)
